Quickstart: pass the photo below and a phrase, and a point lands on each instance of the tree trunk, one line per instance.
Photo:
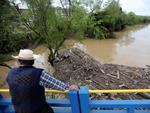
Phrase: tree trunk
(70, 8)
(51, 56)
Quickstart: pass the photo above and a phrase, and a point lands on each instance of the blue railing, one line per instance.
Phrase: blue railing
(79, 102)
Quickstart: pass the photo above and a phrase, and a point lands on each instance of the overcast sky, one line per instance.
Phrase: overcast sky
(139, 7)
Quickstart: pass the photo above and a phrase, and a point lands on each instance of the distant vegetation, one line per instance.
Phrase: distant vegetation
(53, 25)
(112, 18)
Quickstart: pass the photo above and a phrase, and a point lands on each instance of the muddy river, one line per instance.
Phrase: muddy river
(131, 48)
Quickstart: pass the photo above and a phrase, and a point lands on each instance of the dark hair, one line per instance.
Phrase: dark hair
(26, 62)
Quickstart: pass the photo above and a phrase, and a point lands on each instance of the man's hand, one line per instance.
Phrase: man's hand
(73, 87)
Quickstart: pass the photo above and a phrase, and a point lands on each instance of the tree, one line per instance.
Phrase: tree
(51, 26)
(12, 32)
(44, 22)
(3, 6)
(113, 16)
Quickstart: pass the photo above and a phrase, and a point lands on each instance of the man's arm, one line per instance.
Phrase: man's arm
(47, 81)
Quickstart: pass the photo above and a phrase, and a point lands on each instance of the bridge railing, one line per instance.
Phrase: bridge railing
(120, 106)
(79, 102)
(70, 105)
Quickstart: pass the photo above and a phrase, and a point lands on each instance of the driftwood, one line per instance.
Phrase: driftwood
(78, 66)
(144, 95)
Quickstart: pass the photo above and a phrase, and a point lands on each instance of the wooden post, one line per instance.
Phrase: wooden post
(84, 99)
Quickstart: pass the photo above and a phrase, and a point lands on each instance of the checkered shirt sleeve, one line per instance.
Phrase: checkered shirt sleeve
(47, 81)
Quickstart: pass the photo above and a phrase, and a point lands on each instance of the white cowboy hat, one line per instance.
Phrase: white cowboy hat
(26, 54)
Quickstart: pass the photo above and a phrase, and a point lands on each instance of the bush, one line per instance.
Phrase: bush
(13, 34)
(104, 22)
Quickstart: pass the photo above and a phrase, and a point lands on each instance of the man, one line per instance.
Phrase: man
(26, 84)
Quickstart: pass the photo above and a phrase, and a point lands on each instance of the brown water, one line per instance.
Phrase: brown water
(131, 48)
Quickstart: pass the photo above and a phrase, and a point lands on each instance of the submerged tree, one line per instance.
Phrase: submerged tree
(52, 26)
(46, 23)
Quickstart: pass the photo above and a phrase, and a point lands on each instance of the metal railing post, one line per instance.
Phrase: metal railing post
(74, 101)
(130, 110)
(0, 105)
(2, 108)
(84, 99)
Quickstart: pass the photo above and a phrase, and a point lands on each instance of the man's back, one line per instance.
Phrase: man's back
(27, 83)
(27, 95)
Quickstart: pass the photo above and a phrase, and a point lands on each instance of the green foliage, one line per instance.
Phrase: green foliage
(78, 20)
(96, 29)
(11, 36)
(47, 24)
(53, 25)
(104, 21)
(111, 18)
(131, 19)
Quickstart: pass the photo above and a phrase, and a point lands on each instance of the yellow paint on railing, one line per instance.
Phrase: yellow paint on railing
(120, 91)
(47, 91)
(93, 91)
(57, 91)
(4, 90)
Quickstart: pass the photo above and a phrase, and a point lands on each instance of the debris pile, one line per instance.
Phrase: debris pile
(74, 65)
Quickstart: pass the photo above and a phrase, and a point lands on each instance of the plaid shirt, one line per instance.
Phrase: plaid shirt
(47, 81)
